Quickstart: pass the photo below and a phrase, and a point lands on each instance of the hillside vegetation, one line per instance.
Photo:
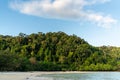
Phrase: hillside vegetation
(55, 51)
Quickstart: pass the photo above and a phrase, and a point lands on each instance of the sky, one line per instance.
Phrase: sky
(96, 21)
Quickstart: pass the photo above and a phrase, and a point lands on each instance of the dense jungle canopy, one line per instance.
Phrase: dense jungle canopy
(55, 51)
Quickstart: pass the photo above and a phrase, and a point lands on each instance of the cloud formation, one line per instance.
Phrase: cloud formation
(64, 9)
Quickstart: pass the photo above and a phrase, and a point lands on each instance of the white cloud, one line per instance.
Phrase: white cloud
(64, 9)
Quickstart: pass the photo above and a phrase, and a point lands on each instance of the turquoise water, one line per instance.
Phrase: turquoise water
(59, 76)
(81, 76)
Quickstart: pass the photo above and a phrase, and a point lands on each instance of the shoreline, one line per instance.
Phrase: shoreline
(52, 72)
(34, 74)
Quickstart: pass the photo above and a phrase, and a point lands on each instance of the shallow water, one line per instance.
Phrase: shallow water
(83, 76)
(59, 76)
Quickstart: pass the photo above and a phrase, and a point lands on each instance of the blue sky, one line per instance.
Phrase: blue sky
(96, 21)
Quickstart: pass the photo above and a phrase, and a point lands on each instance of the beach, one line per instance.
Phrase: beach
(29, 75)
(42, 75)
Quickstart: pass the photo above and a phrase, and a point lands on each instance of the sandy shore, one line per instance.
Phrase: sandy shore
(30, 75)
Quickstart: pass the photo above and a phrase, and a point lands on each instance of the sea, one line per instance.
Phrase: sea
(60, 76)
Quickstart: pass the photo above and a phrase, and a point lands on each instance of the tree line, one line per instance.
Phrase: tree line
(55, 51)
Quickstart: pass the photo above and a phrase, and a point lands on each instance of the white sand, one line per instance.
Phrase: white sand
(30, 75)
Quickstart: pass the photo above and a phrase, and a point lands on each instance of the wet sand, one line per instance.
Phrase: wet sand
(30, 75)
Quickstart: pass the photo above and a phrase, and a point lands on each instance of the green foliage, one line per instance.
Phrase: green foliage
(8, 61)
(54, 52)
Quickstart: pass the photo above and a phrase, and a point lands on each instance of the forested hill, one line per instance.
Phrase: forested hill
(55, 51)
